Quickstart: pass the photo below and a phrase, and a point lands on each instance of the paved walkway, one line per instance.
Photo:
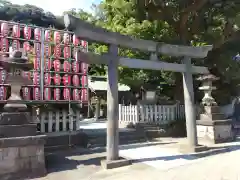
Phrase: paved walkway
(153, 161)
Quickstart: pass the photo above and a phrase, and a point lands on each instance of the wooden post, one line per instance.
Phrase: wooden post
(189, 104)
(112, 106)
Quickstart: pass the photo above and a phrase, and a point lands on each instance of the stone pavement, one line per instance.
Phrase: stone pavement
(153, 161)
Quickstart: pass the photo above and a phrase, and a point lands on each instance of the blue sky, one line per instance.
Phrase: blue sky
(58, 6)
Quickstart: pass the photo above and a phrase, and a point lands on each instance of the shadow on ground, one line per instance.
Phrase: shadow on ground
(211, 152)
(77, 157)
(73, 158)
(60, 162)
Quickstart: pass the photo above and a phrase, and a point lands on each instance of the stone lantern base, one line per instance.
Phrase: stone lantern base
(213, 127)
(22, 157)
(21, 149)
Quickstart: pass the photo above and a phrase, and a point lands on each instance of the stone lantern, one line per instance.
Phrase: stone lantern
(212, 127)
(207, 87)
(14, 65)
(23, 149)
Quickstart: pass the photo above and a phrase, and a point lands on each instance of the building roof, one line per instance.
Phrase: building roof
(100, 84)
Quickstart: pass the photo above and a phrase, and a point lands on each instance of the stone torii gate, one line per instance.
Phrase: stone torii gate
(88, 31)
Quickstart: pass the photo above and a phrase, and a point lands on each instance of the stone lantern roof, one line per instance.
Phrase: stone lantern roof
(207, 77)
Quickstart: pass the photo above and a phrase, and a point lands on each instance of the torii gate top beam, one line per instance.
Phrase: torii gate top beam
(90, 32)
(105, 59)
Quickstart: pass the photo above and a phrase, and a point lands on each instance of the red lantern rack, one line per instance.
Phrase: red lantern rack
(57, 75)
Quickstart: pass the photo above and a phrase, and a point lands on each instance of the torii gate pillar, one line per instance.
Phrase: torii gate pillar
(112, 159)
(190, 111)
(112, 106)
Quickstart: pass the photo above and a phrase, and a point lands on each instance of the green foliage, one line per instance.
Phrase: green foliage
(29, 14)
(198, 22)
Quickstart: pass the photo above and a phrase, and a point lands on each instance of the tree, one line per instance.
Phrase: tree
(211, 21)
(187, 22)
(126, 23)
(29, 14)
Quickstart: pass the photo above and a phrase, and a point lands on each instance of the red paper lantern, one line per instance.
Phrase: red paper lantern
(75, 40)
(76, 94)
(47, 79)
(36, 78)
(57, 37)
(4, 45)
(84, 44)
(84, 81)
(26, 93)
(48, 64)
(3, 75)
(26, 74)
(57, 79)
(47, 94)
(57, 65)
(37, 49)
(16, 31)
(26, 46)
(3, 93)
(4, 29)
(67, 52)
(84, 95)
(66, 38)
(47, 36)
(57, 51)
(27, 32)
(15, 45)
(84, 67)
(66, 94)
(37, 63)
(66, 66)
(37, 34)
(76, 80)
(75, 66)
(47, 50)
(75, 50)
(36, 93)
(66, 80)
(57, 94)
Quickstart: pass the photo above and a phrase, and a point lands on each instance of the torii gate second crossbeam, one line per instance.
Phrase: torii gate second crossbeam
(89, 32)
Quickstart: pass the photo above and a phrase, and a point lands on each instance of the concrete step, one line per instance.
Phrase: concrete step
(151, 134)
(151, 128)
(147, 127)
(124, 138)
(63, 141)
(51, 149)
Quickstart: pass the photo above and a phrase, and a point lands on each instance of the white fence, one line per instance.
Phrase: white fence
(152, 114)
(58, 121)
(62, 121)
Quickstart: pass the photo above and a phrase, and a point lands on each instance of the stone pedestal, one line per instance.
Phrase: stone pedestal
(22, 157)
(16, 124)
(21, 150)
(213, 127)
